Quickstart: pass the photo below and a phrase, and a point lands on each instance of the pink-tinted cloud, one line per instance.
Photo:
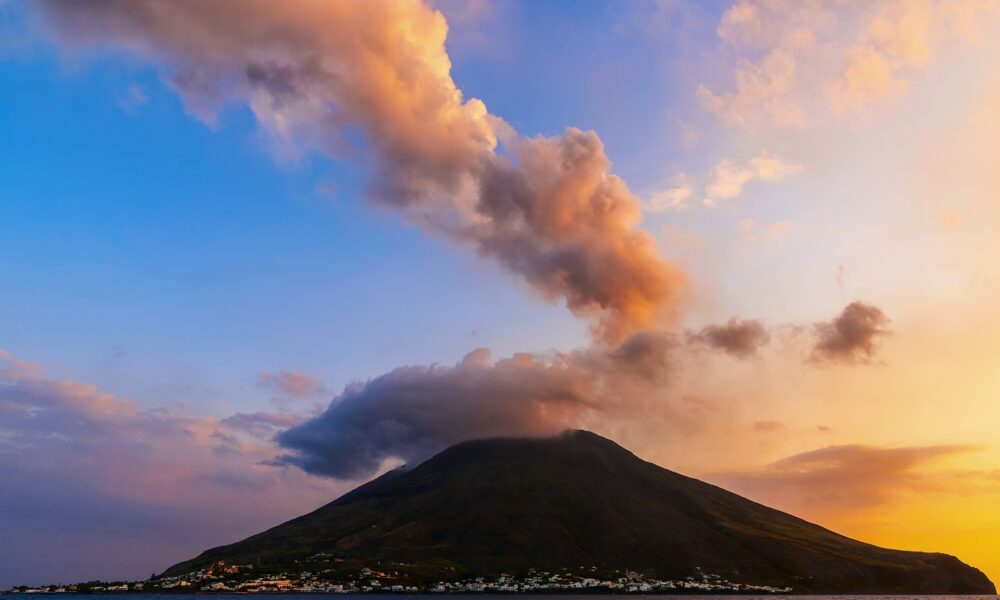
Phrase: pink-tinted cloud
(105, 488)
(291, 383)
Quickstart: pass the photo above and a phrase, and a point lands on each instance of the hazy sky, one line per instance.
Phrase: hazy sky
(253, 253)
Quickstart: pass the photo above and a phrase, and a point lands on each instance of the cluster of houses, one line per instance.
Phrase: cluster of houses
(222, 578)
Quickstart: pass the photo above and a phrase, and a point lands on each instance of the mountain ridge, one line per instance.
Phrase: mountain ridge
(483, 507)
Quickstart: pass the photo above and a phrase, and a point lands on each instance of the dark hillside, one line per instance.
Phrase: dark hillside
(507, 505)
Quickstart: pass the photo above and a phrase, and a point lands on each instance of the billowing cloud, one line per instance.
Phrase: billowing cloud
(738, 337)
(835, 479)
(290, 383)
(548, 209)
(852, 335)
(798, 61)
(412, 412)
(122, 465)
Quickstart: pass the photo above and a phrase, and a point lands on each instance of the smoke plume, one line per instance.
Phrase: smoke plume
(316, 74)
(313, 72)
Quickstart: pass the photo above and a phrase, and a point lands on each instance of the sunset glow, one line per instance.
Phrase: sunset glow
(255, 253)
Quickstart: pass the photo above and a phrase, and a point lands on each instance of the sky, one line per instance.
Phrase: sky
(255, 254)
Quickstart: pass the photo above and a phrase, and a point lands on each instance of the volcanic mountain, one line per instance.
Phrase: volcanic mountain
(580, 500)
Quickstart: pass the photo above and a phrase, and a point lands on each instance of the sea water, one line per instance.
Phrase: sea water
(489, 596)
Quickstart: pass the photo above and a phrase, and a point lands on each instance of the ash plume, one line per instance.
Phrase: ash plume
(548, 209)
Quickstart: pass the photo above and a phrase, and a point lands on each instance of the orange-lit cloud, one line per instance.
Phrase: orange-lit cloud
(548, 209)
(838, 479)
(800, 61)
(901, 497)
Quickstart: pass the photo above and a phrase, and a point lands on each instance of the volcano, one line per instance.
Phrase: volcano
(576, 501)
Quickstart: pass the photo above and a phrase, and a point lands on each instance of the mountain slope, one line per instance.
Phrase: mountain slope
(575, 500)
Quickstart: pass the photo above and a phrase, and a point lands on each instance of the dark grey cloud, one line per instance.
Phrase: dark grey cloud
(740, 338)
(412, 412)
(852, 335)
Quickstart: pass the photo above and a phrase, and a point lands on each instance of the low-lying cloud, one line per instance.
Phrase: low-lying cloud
(413, 412)
(835, 479)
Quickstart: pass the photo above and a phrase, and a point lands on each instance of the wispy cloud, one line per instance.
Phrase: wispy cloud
(672, 198)
(291, 383)
(797, 63)
(141, 486)
(836, 479)
(729, 177)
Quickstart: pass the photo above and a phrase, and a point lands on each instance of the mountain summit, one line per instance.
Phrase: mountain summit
(576, 501)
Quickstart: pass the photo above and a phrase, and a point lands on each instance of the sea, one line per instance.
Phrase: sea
(491, 596)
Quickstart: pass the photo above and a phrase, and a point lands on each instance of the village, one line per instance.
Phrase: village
(221, 579)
